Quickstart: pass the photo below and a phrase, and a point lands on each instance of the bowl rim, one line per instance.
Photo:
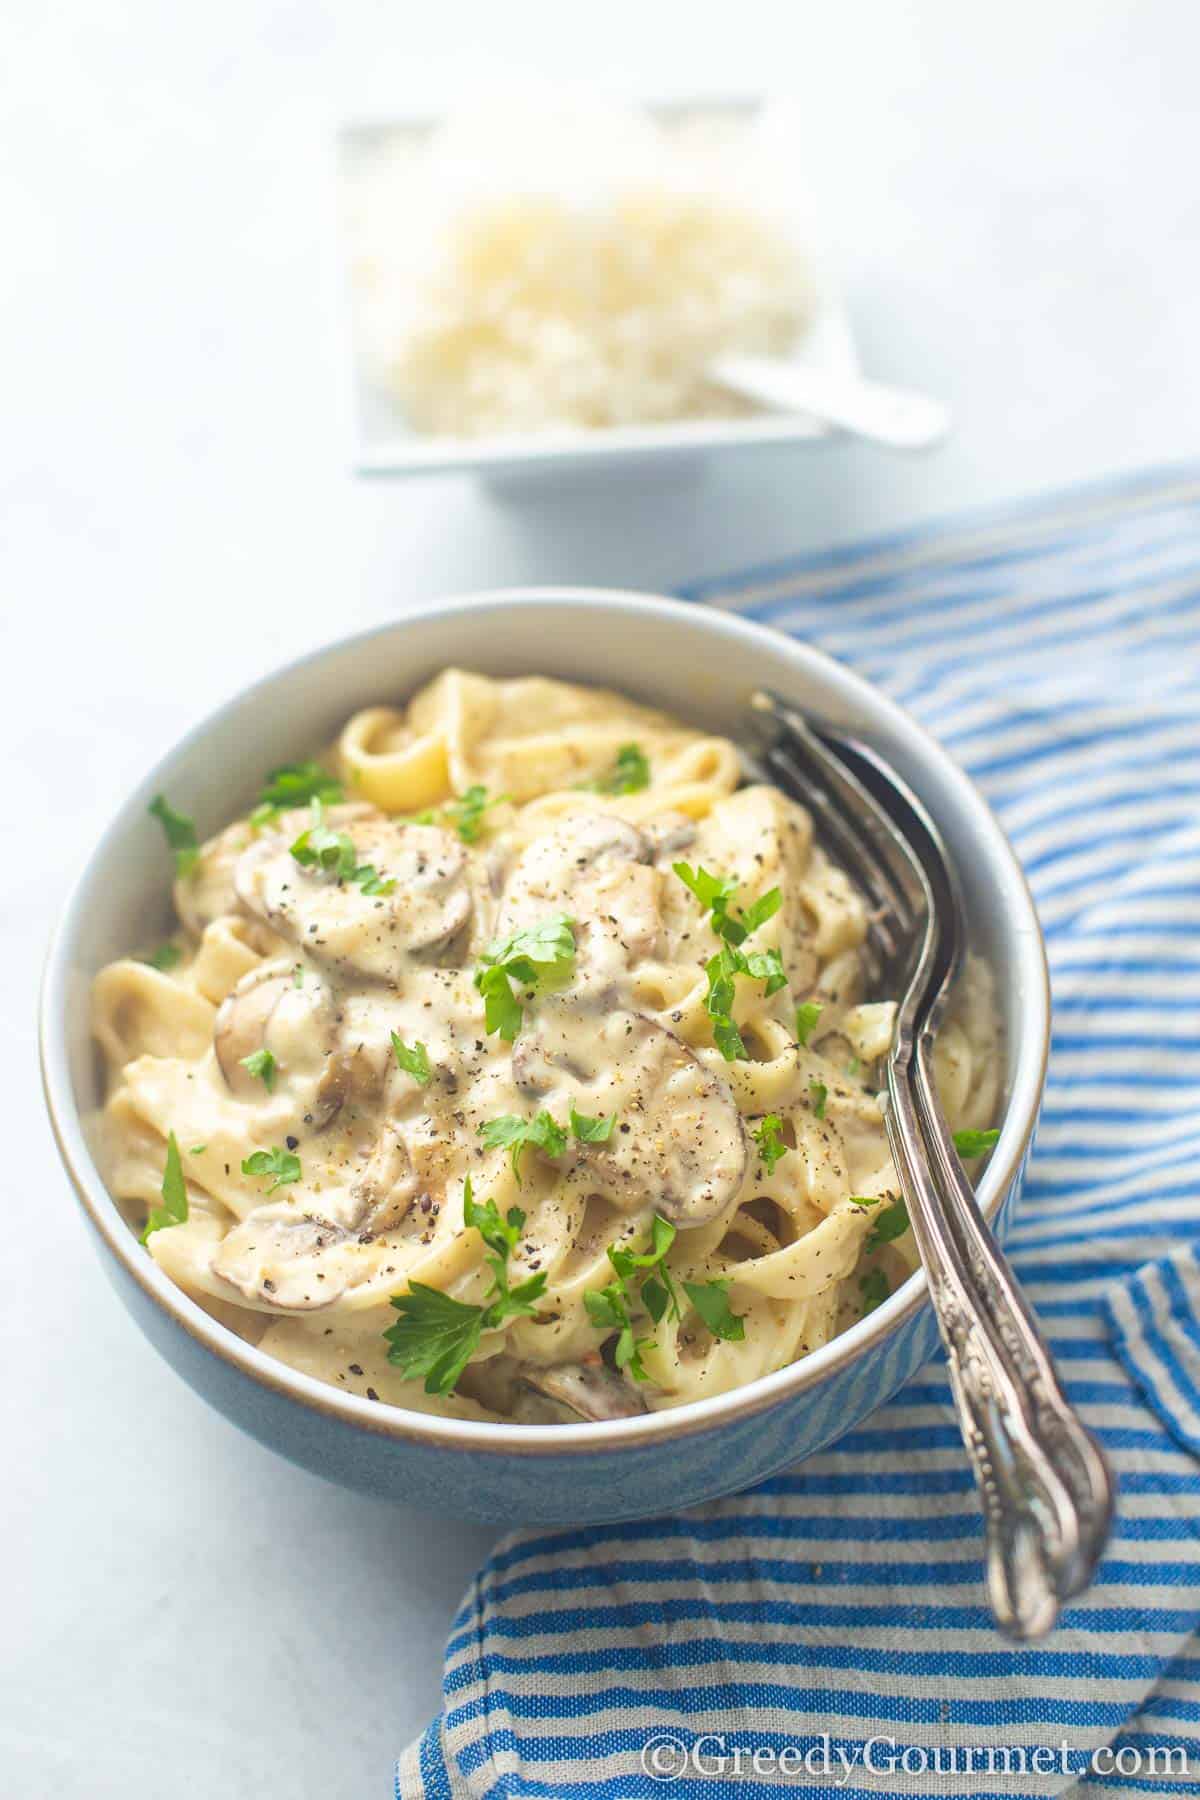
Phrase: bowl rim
(484, 1436)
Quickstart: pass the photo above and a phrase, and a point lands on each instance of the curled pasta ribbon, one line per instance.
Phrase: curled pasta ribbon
(229, 949)
(139, 1011)
(382, 761)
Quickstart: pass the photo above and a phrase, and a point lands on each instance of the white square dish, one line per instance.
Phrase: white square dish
(384, 442)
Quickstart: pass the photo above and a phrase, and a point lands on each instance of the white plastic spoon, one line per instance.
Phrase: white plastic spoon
(894, 416)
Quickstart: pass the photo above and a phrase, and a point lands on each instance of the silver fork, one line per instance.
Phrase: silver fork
(1045, 1486)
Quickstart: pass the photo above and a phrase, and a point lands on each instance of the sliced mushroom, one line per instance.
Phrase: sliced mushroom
(552, 866)
(282, 1258)
(268, 1010)
(387, 1186)
(678, 1144)
(669, 834)
(595, 868)
(349, 923)
(589, 1389)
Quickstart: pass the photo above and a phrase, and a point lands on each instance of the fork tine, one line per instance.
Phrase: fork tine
(806, 778)
(890, 926)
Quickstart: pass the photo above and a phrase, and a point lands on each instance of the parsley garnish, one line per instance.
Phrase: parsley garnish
(865, 1200)
(262, 1064)
(718, 1003)
(165, 957)
(414, 1060)
(721, 969)
(891, 1223)
(319, 847)
(197, 1149)
(609, 1308)
(710, 1300)
(510, 1133)
(333, 852)
(874, 1288)
(538, 956)
(628, 775)
(466, 813)
(174, 1208)
(435, 1335)
(292, 785)
(544, 1132)
(769, 1140)
(715, 894)
(284, 1165)
(818, 1093)
(974, 1143)
(180, 834)
(807, 1015)
(592, 1131)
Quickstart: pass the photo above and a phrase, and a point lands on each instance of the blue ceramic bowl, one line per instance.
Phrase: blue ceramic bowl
(700, 665)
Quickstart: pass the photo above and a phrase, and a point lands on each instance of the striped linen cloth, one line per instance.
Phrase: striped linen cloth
(837, 1611)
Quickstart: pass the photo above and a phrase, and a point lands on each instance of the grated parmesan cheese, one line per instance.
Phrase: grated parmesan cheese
(574, 268)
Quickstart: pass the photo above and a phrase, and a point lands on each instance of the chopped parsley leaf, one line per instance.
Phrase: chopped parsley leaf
(282, 1165)
(414, 1060)
(768, 1137)
(165, 957)
(544, 1132)
(436, 1336)
(539, 957)
(761, 910)
(715, 893)
(766, 965)
(333, 853)
(180, 834)
(629, 774)
(807, 1015)
(974, 1143)
(174, 1208)
(891, 1223)
(875, 1289)
(262, 1064)
(466, 812)
(511, 1133)
(608, 1310)
(298, 784)
(721, 970)
(710, 1299)
(592, 1131)
(818, 1094)
(611, 1308)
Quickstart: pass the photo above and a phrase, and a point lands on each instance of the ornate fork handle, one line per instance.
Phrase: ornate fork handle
(1043, 1481)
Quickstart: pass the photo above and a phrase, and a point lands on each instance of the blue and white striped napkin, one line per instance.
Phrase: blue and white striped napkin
(828, 1632)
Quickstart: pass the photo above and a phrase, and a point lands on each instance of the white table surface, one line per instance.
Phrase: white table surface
(1014, 196)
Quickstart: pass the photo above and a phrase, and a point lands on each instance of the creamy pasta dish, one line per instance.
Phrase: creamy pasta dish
(512, 1059)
